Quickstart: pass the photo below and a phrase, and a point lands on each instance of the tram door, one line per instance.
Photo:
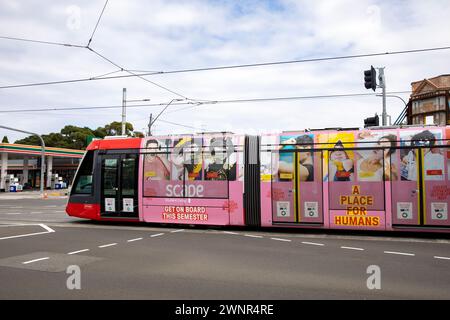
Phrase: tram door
(308, 178)
(419, 197)
(297, 186)
(119, 185)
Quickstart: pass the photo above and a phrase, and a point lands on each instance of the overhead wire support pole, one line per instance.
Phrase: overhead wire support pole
(150, 125)
(42, 154)
(124, 112)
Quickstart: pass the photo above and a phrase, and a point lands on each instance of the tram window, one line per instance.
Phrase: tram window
(191, 170)
(220, 159)
(340, 164)
(83, 181)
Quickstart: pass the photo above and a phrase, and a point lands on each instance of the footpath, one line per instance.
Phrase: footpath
(49, 194)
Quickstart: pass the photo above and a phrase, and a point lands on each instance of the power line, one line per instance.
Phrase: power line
(263, 64)
(43, 42)
(232, 67)
(99, 55)
(107, 74)
(179, 124)
(98, 21)
(132, 73)
(206, 102)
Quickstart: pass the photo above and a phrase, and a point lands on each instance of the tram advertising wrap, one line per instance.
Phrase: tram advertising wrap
(370, 179)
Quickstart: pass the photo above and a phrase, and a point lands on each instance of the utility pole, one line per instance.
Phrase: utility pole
(124, 114)
(382, 85)
(150, 125)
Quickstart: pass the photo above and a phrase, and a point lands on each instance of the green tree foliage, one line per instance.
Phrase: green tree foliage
(5, 139)
(73, 137)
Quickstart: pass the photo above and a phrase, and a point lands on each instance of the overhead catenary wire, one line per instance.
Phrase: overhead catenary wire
(137, 75)
(263, 64)
(179, 124)
(131, 73)
(96, 25)
(44, 42)
(205, 102)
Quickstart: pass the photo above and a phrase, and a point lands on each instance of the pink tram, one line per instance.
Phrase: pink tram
(388, 178)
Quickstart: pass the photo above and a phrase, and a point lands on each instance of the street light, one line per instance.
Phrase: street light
(156, 118)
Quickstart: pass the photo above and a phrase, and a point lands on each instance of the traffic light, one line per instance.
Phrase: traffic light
(370, 78)
(372, 122)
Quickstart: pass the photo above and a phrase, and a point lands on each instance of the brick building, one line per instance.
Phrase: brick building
(429, 102)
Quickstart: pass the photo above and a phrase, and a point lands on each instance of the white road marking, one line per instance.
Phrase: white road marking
(62, 211)
(35, 260)
(11, 213)
(443, 258)
(400, 253)
(252, 236)
(156, 235)
(353, 248)
(279, 239)
(36, 212)
(179, 230)
(75, 252)
(49, 230)
(313, 243)
(132, 240)
(229, 232)
(16, 207)
(50, 206)
(108, 245)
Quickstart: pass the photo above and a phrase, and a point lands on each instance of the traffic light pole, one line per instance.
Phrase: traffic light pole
(382, 85)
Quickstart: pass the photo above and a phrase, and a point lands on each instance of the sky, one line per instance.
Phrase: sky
(174, 35)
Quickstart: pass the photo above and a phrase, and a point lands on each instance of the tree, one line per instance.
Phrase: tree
(115, 129)
(73, 137)
(5, 139)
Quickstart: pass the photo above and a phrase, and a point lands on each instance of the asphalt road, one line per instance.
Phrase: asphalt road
(38, 241)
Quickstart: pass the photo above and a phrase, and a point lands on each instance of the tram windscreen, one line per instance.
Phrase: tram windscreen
(83, 179)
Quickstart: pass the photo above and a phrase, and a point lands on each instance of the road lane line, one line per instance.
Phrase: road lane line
(230, 232)
(108, 245)
(313, 243)
(132, 240)
(49, 230)
(62, 211)
(46, 227)
(279, 239)
(353, 248)
(442, 258)
(11, 213)
(179, 230)
(35, 260)
(400, 253)
(156, 235)
(79, 251)
(252, 236)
